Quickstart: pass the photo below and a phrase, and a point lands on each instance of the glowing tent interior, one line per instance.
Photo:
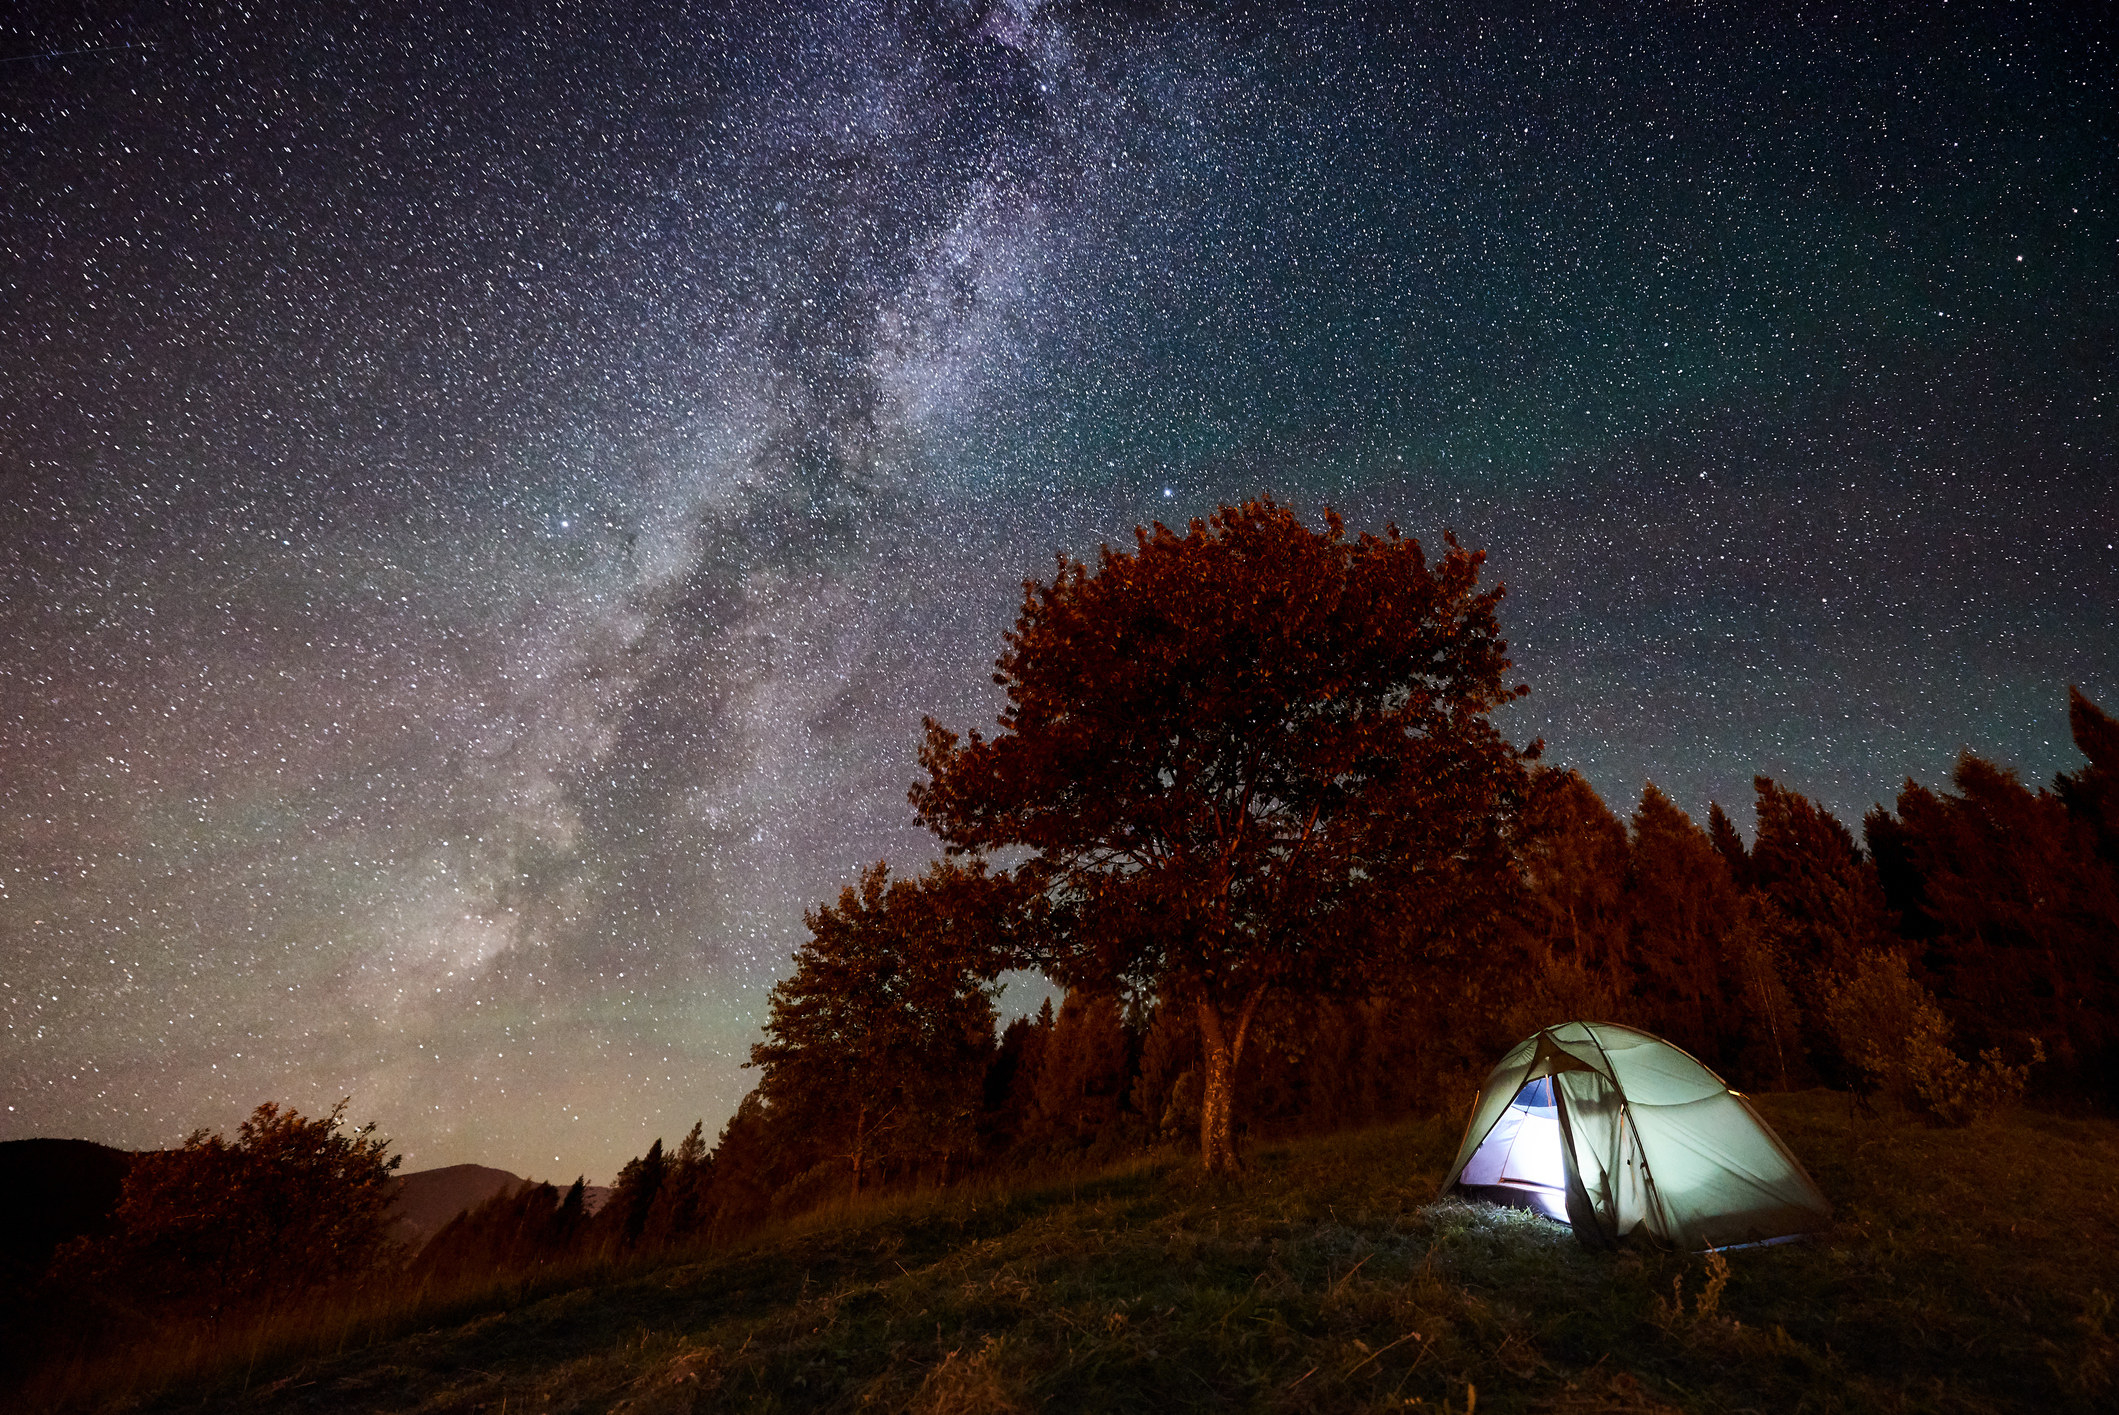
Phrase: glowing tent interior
(1623, 1135)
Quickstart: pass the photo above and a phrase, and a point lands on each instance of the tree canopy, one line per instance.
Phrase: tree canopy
(1245, 757)
(877, 1044)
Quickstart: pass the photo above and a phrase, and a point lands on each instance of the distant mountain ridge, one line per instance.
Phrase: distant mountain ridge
(428, 1198)
(52, 1191)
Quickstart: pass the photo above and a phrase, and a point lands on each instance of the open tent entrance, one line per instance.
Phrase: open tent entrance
(1617, 1133)
(1519, 1164)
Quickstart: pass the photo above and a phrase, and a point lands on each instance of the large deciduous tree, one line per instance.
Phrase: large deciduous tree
(1245, 757)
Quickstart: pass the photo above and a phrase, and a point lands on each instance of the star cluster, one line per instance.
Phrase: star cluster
(490, 493)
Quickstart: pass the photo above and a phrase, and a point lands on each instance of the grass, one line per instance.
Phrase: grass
(1967, 1271)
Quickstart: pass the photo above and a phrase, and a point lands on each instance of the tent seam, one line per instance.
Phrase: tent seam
(1655, 1190)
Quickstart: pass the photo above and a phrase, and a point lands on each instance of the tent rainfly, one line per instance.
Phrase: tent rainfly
(1621, 1134)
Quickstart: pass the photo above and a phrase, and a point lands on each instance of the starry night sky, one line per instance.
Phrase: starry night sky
(488, 493)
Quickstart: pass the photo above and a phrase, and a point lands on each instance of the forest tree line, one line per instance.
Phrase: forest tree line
(1246, 807)
(1306, 686)
(1965, 945)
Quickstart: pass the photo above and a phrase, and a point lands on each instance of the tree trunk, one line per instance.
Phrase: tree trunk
(1221, 1047)
(860, 1146)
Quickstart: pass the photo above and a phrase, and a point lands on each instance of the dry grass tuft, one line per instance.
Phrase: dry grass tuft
(969, 1385)
(684, 1384)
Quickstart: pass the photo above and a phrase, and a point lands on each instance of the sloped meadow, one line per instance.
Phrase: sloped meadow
(1967, 1270)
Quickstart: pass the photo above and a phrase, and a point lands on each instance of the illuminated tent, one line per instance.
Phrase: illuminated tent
(1621, 1135)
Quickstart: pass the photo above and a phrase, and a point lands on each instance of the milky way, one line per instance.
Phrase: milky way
(488, 498)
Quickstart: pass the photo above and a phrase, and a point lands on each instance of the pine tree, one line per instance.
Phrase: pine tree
(625, 1214)
(1828, 911)
(1729, 845)
(2091, 794)
(1081, 1078)
(680, 1208)
(515, 1230)
(751, 1160)
(1010, 1086)
(1808, 864)
(1682, 909)
(2017, 915)
(1166, 1085)
(1574, 857)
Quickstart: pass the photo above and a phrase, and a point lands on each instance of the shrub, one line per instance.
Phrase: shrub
(292, 1205)
(1895, 1039)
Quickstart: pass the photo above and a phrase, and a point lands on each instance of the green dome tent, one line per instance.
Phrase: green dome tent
(1619, 1133)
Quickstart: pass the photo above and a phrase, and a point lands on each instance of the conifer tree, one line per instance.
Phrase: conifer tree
(1682, 908)
(515, 1230)
(750, 1160)
(1166, 1084)
(625, 1214)
(1573, 854)
(1081, 1077)
(2016, 912)
(1721, 833)
(680, 1207)
(1808, 864)
(2091, 794)
(1827, 910)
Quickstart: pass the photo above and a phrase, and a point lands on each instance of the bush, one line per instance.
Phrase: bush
(1895, 1039)
(292, 1205)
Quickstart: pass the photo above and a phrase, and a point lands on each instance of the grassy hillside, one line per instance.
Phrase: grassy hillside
(1968, 1271)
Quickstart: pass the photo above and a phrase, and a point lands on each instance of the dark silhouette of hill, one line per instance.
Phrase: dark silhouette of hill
(427, 1199)
(54, 1190)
